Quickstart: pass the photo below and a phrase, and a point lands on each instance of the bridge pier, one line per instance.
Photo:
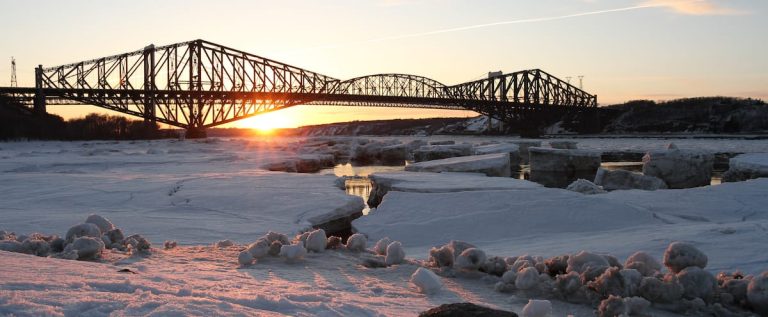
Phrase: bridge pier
(195, 133)
(39, 101)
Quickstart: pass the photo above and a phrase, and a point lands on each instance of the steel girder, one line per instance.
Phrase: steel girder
(199, 84)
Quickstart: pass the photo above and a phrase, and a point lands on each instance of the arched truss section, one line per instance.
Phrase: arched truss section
(392, 85)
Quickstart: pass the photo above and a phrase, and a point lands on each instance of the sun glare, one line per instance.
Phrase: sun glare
(268, 122)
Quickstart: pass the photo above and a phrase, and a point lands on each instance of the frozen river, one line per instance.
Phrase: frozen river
(198, 192)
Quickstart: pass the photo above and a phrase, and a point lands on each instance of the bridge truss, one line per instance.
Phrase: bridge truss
(199, 84)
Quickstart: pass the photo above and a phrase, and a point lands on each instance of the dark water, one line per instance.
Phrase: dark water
(359, 184)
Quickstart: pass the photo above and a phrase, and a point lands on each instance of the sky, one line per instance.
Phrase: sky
(625, 49)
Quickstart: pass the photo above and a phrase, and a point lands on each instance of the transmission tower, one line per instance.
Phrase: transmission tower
(581, 82)
(14, 83)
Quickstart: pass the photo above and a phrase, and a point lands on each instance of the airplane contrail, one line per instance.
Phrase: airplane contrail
(486, 25)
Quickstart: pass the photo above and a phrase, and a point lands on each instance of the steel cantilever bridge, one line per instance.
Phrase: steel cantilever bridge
(198, 84)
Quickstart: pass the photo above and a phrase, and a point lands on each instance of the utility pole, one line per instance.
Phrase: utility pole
(581, 82)
(14, 83)
(568, 78)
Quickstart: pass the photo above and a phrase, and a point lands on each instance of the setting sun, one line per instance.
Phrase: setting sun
(267, 122)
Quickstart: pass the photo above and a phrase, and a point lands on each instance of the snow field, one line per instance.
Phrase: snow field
(201, 192)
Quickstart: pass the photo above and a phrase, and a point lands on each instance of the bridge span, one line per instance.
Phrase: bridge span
(198, 84)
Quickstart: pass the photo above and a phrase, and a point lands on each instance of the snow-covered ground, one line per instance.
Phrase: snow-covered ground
(729, 222)
(199, 192)
(193, 192)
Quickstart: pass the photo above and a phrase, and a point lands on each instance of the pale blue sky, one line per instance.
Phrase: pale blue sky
(664, 49)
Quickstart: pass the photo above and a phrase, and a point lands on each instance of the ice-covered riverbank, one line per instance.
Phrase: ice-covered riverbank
(199, 192)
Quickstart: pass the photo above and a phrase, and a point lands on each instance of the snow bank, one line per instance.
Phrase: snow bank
(554, 221)
(423, 220)
(189, 206)
(747, 166)
(488, 164)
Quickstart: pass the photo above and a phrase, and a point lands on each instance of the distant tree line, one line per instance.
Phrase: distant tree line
(18, 122)
(688, 115)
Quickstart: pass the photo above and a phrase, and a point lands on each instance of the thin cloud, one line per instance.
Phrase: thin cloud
(700, 7)
(692, 6)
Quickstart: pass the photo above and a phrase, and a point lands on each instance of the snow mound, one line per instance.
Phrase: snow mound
(316, 241)
(680, 255)
(527, 278)
(101, 222)
(334, 243)
(585, 187)
(12, 246)
(381, 246)
(83, 230)
(293, 252)
(356, 242)
(537, 308)
(697, 283)
(470, 259)
(395, 253)
(87, 248)
(611, 307)
(643, 262)
(224, 243)
(426, 281)
(258, 249)
(757, 293)
(245, 258)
